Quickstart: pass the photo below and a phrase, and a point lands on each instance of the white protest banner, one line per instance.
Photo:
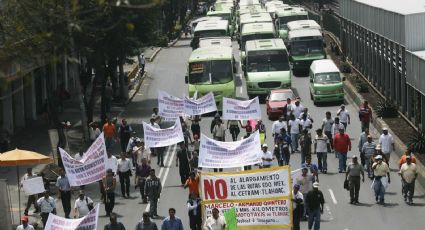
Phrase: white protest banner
(258, 214)
(251, 184)
(200, 106)
(33, 186)
(170, 107)
(91, 168)
(155, 137)
(88, 222)
(241, 110)
(218, 154)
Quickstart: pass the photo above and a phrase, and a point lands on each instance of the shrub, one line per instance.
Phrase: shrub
(386, 108)
(345, 68)
(361, 86)
(417, 141)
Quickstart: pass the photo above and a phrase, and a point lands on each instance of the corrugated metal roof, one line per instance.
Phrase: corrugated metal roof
(404, 7)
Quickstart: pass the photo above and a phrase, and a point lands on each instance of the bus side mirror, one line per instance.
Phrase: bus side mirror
(343, 78)
(311, 80)
(186, 79)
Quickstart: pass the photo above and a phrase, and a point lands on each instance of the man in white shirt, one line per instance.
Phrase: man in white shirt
(25, 225)
(336, 126)
(47, 205)
(297, 108)
(124, 173)
(408, 175)
(278, 125)
(321, 148)
(32, 199)
(386, 141)
(344, 116)
(215, 222)
(141, 152)
(267, 157)
(297, 206)
(294, 125)
(82, 205)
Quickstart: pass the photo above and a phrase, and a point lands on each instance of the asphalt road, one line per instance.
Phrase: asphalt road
(167, 73)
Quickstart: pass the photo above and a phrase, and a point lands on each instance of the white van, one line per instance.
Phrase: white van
(325, 82)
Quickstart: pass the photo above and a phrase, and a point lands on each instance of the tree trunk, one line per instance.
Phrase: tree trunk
(122, 80)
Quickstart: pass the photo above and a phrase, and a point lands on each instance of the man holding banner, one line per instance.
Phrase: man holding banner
(215, 222)
(31, 198)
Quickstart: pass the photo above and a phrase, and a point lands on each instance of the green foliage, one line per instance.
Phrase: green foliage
(417, 141)
(345, 67)
(361, 85)
(386, 109)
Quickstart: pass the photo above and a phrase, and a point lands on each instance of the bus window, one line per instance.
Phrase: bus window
(267, 61)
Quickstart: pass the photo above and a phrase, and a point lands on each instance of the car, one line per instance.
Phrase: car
(276, 100)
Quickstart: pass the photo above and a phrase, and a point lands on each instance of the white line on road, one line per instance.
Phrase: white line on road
(169, 165)
(328, 210)
(167, 155)
(333, 196)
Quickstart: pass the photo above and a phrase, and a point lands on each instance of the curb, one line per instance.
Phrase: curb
(137, 88)
(172, 43)
(151, 58)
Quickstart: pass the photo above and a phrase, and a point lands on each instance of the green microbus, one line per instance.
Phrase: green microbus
(212, 69)
(213, 28)
(254, 31)
(325, 82)
(266, 66)
(288, 14)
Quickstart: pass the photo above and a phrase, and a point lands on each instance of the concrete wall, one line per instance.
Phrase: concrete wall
(5, 218)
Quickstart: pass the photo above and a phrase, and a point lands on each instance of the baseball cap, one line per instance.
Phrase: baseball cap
(408, 157)
(379, 157)
(265, 146)
(385, 128)
(354, 156)
(315, 185)
(24, 218)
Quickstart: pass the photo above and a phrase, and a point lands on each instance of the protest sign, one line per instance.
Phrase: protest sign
(88, 222)
(258, 214)
(170, 107)
(241, 110)
(155, 137)
(205, 104)
(91, 168)
(33, 186)
(218, 154)
(251, 184)
(231, 219)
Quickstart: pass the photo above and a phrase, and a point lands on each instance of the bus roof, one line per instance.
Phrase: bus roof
(251, 9)
(212, 25)
(304, 33)
(265, 44)
(248, 2)
(323, 66)
(289, 11)
(211, 53)
(258, 28)
(205, 19)
(303, 24)
(255, 17)
(272, 4)
(215, 41)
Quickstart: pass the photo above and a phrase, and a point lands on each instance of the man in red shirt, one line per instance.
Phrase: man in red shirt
(365, 115)
(193, 183)
(110, 133)
(342, 145)
(403, 158)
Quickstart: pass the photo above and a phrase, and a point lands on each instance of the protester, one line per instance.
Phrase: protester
(305, 112)
(297, 109)
(362, 141)
(305, 143)
(146, 223)
(312, 168)
(64, 187)
(194, 211)
(195, 126)
(219, 130)
(365, 115)
(314, 202)
(186, 134)
(82, 205)
(172, 222)
(111, 163)
(142, 173)
(277, 126)
(368, 150)
(109, 133)
(114, 224)
(321, 149)
(94, 131)
(386, 141)
(141, 152)
(109, 183)
(336, 126)
(32, 199)
(306, 122)
(267, 157)
(344, 116)
(297, 206)
(142, 63)
(233, 127)
(153, 122)
(327, 127)
(408, 173)
(249, 127)
(294, 127)
(193, 183)
(287, 109)
(25, 225)
(196, 143)
(262, 131)
(156, 118)
(124, 132)
(408, 152)
(193, 162)
(282, 149)
(183, 157)
(381, 171)
(214, 121)
(124, 173)
(305, 180)
(342, 145)
(153, 190)
(354, 171)
(215, 222)
(160, 156)
(47, 205)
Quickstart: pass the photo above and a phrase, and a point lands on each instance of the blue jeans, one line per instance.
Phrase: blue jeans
(314, 217)
(322, 160)
(379, 189)
(294, 139)
(342, 161)
(108, 143)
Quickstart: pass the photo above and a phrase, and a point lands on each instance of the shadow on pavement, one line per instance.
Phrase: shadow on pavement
(364, 205)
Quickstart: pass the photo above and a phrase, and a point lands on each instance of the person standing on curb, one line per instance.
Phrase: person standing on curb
(386, 141)
(124, 173)
(365, 115)
(146, 223)
(294, 127)
(342, 145)
(354, 170)
(32, 199)
(344, 116)
(65, 192)
(297, 206)
(315, 202)
(172, 222)
(408, 175)
(47, 205)
(109, 184)
(368, 150)
(327, 127)
(381, 171)
(321, 149)
(153, 190)
(83, 205)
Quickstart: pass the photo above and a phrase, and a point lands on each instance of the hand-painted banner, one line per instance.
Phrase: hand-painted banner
(91, 168)
(241, 110)
(33, 186)
(205, 104)
(251, 184)
(170, 107)
(88, 222)
(218, 154)
(268, 213)
(155, 137)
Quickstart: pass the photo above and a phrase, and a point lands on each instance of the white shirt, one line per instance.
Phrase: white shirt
(336, 127)
(298, 110)
(82, 206)
(295, 126)
(408, 172)
(343, 115)
(295, 196)
(155, 125)
(306, 124)
(267, 155)
(21, 227)
(78, 157)
(94, 133)
(386, 142)
(142, 153)
(46, 205)
(277, 126)
(321, 143)
(213, 224)
(112, 163)
(124, 165)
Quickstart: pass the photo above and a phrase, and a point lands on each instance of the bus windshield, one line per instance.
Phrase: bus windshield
(267, 61)
(250, 37)
(210, 72)
(327, 78)
(210, 33)
(303, 47)
(284, 20)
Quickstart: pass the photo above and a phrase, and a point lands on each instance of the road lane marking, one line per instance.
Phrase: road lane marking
(168, 168)
(328, 210)
(167, 155)
(332, 196)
